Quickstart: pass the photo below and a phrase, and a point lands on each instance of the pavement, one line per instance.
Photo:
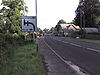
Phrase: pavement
(53, 64)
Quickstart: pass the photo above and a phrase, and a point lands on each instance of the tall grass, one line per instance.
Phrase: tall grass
(92, 41)
(25, 61)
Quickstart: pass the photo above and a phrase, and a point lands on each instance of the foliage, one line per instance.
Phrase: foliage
(39, 30)
(10, 20)
(91, 41)
(10, 27)
(25, 61)
(52, 29)
(61, 22)
(45, 30)
(91, 10)
(11, 16)
(57, 27)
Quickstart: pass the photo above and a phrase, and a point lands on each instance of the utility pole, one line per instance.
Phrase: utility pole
(82, 17)
(81, 21)
(84, 25)
(84, 11)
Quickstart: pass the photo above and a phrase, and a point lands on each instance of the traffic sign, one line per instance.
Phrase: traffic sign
(28, 23)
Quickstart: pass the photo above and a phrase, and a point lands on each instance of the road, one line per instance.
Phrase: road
(85, 56)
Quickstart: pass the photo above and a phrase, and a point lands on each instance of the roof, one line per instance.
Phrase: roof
(63, 26)
(67, 26)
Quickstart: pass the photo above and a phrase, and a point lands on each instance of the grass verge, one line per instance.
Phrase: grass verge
(92, 41)
(25, 61)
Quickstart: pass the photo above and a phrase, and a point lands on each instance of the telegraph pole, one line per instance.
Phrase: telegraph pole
(81, 21)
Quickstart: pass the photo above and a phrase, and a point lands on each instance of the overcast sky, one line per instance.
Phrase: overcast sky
(51, 11)
(0, 1)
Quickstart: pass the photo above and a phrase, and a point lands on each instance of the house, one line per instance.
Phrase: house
(67, 29)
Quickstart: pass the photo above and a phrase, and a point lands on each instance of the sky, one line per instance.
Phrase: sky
(51, 11)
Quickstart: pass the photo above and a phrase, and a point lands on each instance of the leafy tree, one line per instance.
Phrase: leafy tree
(61, 22)
(91, 9)
(11, 16)
(45, 30)
(10, 27)
(57, 27)
(39, 30)
(53, 29)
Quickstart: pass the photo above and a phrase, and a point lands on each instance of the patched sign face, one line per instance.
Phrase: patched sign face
(28, 23)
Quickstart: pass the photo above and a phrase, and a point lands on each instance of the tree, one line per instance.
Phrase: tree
(39, 30)
(91, 12)
(57, 27)
(11, 16)
(45, 30)
(53, 29)
(61, 22)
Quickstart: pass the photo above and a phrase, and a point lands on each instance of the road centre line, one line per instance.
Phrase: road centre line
(78, 71)
(93, 50)
(70, 43)
(65, 42)
(79, 46)
(75, 44)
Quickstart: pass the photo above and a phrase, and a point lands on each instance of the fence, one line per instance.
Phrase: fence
(95, 36)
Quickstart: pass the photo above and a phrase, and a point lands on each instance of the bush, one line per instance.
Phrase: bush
(15, 35)
(2, 41)
(7, 43)
(21, 34)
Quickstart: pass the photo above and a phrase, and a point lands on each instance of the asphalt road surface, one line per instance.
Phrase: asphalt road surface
(85, 56)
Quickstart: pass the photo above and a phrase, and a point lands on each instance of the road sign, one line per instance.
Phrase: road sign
(28, 23)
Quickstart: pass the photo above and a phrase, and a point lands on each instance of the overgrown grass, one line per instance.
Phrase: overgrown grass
(25, 61)
(92, 41)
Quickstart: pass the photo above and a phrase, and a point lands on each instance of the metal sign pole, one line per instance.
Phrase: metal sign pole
(25, 36)
(36, 25)
(33, 36)
(36, 15)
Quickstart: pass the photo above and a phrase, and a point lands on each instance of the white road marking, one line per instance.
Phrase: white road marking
(79, 46)
(75, 44)
(77, 69)
(65, 42)
(69, 43)
(93, 50)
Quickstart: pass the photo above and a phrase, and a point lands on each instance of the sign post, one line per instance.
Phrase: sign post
(29, 24)
(36, 24)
